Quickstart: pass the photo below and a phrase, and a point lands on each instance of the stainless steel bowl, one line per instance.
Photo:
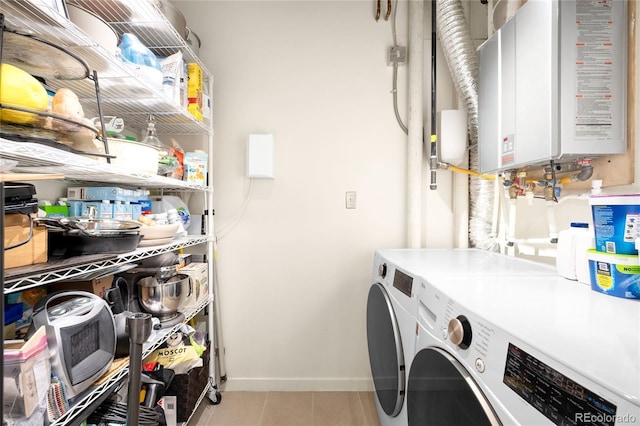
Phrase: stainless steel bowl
(162, 297)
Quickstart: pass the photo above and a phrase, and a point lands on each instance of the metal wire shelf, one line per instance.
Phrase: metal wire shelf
(124, 93)
(86, 402)
(22, 282)
(37, 158)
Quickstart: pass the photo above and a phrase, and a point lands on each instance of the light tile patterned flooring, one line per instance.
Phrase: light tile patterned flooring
(289, 409)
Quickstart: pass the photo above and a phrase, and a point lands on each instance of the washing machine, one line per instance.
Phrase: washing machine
(525, 349)
(392, 309)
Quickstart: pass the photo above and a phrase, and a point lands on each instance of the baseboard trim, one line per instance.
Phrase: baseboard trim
(302, 384)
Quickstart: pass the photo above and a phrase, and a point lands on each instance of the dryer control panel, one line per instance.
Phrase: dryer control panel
(467, 333)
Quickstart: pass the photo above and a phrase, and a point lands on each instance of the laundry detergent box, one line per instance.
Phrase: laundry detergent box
(199, 273)
(614, 274)
(615, 222)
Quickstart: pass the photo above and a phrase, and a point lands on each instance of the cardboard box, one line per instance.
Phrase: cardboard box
(27, 374)
(96, 286)
(56, 211)
(99, 193)
(16, 230)
(103, 210)
(194, 90)
(199, 273)
(75, 208)
(119, 211)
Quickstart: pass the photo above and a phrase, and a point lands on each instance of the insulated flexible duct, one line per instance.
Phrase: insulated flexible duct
(462, 61)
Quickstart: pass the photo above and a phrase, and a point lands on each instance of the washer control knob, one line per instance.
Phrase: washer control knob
(382, 270)
(460, 331)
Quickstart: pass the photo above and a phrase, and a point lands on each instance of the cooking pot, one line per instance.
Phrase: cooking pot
(94, 26)
(90, 226)
(162, 297)
(133, 155)
(173, 15)
(193, 40)
(81, 236)
(63, 244)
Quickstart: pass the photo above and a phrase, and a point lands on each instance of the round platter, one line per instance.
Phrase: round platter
(48, 128)
(42, 58)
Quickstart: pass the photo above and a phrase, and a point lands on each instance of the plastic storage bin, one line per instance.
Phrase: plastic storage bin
(615, 220)
(27, 373)
(615, 274)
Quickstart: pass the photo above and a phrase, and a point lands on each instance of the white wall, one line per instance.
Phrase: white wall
(295, 270)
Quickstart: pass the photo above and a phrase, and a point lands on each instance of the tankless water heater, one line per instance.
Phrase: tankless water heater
(552, 85)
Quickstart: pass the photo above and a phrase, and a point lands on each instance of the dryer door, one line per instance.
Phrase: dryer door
(385, 351)
(441, 392)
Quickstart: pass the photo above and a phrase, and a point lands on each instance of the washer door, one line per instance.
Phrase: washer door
(441, 392)
(385, 351)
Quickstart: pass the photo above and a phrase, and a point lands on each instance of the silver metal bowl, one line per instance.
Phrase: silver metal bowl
(162, 297)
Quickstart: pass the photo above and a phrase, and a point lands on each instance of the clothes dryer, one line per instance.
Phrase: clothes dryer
(391, 332)
(392, 309)
(525, 350)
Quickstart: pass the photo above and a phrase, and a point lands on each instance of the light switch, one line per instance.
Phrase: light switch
(350, 199)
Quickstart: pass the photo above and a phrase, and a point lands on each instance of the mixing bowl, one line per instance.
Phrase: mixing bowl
(162, 297)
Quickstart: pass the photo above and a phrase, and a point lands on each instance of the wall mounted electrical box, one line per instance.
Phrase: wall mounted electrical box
(552, 85)
(260, 156)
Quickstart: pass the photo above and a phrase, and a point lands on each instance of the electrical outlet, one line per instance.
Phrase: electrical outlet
(350, 199)
(397, 55)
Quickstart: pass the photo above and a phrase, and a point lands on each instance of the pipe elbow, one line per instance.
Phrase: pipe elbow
(585, 173)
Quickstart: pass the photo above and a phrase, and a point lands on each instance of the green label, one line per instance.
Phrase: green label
(628, 269)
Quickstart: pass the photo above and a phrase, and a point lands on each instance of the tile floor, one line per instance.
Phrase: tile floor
(289, 409)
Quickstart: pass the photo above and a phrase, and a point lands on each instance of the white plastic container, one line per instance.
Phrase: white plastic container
(572, 247)
(584, 242)
(133, 155)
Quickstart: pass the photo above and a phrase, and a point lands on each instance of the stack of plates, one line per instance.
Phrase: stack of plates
(157, 235)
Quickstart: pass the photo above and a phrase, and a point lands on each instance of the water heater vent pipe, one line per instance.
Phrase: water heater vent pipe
(415, 120)
(461, 58)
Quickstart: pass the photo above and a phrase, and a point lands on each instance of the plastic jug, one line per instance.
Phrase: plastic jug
(132, 49)
(141, 60)
(571, 258)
